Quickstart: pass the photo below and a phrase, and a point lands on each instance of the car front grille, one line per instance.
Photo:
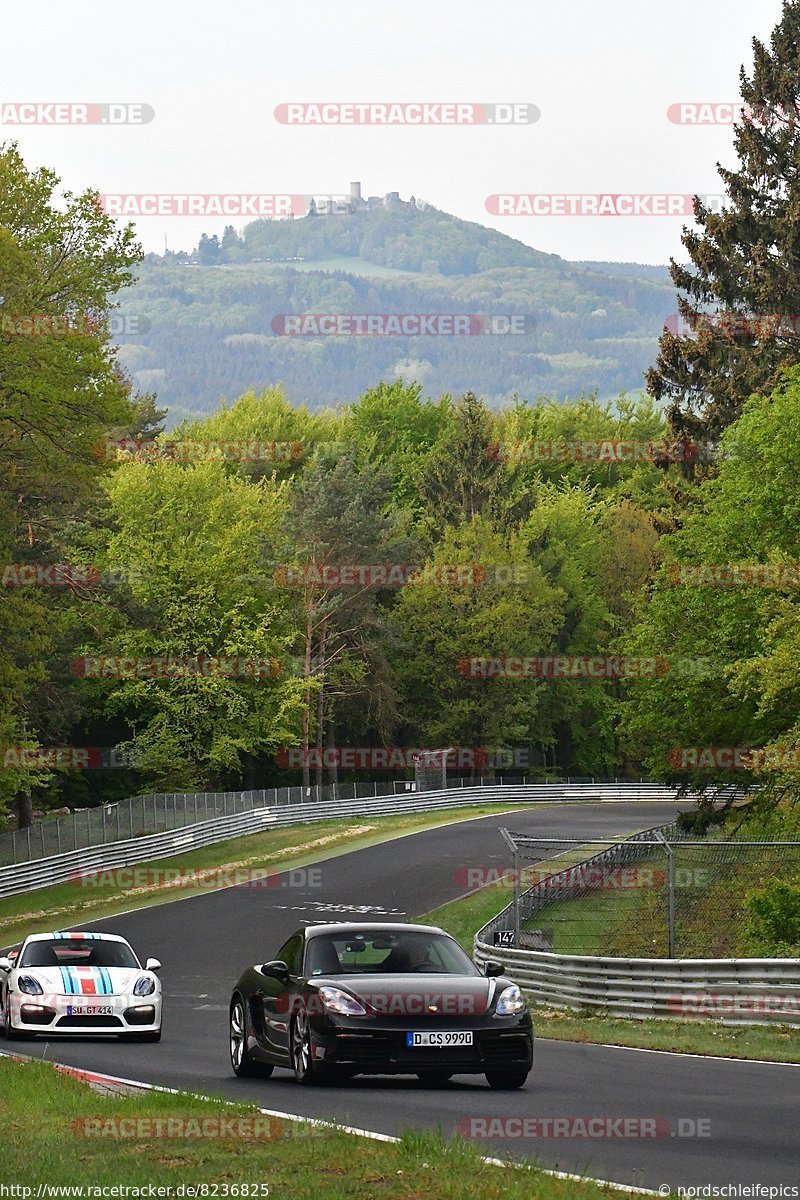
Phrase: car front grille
(389, 1050)
(88, 1021)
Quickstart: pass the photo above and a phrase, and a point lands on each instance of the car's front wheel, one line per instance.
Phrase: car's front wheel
(242, 1061)
(507, 1079)
(13, 1035)
(303, 1065)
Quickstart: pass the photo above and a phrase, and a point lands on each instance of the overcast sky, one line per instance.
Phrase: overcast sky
(603, 76)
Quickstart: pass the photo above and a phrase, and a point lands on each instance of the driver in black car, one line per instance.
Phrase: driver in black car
(405, 958)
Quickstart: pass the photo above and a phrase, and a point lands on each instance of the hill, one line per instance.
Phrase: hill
(207, 326)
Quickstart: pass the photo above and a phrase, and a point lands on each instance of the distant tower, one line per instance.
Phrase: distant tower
(355, 192)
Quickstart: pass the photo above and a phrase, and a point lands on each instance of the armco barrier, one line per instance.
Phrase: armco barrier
(746, 991)
(138, 816)
(43, 872)
(741, 991)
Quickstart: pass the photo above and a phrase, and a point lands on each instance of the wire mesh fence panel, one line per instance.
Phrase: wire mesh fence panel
(139, 816)
(659, 894)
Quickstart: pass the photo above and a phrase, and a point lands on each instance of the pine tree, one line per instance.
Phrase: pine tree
(740, 296)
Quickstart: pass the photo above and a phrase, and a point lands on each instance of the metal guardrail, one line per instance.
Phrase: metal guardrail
(60, 868)
(743, 991)
(157, 812)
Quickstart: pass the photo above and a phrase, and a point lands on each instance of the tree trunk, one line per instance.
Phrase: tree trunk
(24, 806)
(323, 642)
(564, 742)
(330, 734)
(307, 698)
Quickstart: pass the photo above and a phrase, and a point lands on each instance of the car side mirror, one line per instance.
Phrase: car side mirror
(492, 969)
(152, 964)
(276, 968)
(5, 964)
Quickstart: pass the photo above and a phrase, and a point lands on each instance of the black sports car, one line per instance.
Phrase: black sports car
(378, 999)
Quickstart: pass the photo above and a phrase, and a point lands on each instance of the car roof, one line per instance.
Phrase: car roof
(77, 935)
(351, 927)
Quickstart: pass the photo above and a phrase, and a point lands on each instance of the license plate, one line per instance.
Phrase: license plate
(89, 1010)
(439, 1037)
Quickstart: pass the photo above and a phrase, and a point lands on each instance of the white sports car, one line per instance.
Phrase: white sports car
(79, 983)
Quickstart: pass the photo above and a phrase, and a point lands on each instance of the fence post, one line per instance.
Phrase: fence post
(670, 892)
(510, 842)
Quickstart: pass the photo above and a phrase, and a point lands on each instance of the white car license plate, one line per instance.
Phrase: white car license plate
(89, 1010)
(439, 1037)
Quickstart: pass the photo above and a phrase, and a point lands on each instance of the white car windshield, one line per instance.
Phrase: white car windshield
(77, 953)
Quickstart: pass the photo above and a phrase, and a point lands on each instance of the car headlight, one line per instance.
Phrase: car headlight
(338, 1001)
(144, 986)
(510, 1001)
(29, 985)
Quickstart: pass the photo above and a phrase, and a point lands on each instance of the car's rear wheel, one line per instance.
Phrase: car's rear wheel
(242, 1061)
(435, 1075)
(305, 1070)
(507, 1079)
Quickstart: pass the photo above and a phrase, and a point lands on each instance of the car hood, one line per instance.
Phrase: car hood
(418, 994)
(84, 981)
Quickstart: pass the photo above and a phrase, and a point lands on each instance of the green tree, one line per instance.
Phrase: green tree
(340, 515)
(461, 479)
(734, 647)
(513, 611)
(61, 263)
(186, 539)
(744, 259)
(393, 426)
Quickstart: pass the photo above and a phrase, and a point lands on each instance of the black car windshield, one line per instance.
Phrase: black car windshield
(75, 952)
(369, 952)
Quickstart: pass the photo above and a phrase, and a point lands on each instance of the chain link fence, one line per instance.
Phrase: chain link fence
(659, 894)
(159, 812)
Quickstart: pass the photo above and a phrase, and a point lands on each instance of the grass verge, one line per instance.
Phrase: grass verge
(464, 917)
(283, 849)
(779, 1043)
(45, 1116)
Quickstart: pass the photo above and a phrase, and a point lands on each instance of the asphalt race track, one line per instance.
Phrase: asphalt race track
(205, 941)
